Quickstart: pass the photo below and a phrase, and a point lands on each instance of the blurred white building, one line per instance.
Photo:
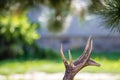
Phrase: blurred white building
(76, 32)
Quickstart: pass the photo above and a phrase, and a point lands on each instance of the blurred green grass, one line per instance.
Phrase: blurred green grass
(110, 63)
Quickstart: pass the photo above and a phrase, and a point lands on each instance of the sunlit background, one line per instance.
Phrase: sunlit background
(31, 32)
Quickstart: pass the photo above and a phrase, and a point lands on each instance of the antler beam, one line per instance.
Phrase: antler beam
(84, 60)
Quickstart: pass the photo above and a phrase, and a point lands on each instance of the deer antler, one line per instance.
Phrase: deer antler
(84, 60)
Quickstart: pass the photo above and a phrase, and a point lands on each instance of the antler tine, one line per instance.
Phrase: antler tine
(85, 50)
(92, 63)
(87, 45)
(70, 58)
(63, 57)
(83, 60)
(90, 48)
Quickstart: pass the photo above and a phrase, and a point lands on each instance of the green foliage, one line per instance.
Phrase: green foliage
(16, 32)
(111, 14)
(18, 35)
(14, 27)
(38, 53)
(54, 25)
(61, 9)
(95, 6)
(11, 5)
(46, 54)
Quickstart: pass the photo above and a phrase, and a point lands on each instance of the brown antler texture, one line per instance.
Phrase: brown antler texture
(84, 60)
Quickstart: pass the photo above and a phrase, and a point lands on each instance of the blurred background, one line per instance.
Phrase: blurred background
(31, 32)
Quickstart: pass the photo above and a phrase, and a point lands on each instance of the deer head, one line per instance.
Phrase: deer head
(72, 68)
